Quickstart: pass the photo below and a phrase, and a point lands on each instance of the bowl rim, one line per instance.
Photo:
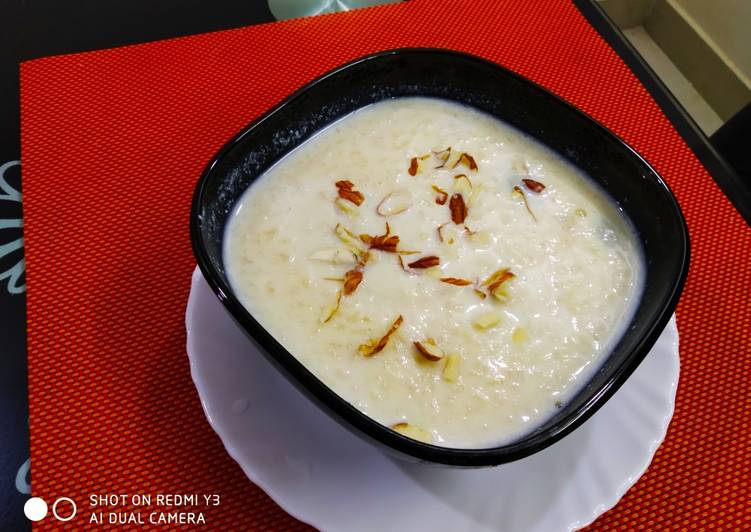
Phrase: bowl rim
(346, 413)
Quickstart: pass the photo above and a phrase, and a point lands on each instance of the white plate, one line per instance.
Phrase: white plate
(323, 475)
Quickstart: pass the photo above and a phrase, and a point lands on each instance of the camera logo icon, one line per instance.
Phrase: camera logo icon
(36, 509)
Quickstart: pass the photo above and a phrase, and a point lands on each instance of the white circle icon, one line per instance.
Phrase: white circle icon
(35, 509)
(54, 509)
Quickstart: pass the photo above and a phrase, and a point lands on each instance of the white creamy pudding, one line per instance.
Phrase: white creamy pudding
(442, 272)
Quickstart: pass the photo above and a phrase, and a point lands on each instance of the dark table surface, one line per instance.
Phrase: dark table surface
(47, 27)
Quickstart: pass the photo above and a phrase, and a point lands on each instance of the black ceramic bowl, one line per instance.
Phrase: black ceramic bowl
(630, 181)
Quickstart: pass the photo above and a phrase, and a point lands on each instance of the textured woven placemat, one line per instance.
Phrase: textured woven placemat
(113, 142)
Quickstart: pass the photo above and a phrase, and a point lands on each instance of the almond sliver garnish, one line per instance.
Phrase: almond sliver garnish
(351, 281)
(348, 238)
(440, 232)
(425, 262)
(429, 350)
(462, 181)
(347, 192)
(452, 160)
(456, 281)
(467, 160)
(451, 368)
(346, 207)
(498, 278)
(414, 164)
(392, 204)
(481, 237)
(519, 192)
(496, 282)
(442, 195)
(520, 335)
(447, 233)
(385, 242)
(335, 256)
(474, 195)
(442, 156)
(458, 209)
(534, 186)
(404, 266)
(376, 346)
(329, 310)
(411, 431)
(487, 320)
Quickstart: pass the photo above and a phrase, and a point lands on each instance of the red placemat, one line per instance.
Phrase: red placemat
(113, 142)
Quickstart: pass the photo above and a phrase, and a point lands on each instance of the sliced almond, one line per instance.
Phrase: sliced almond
(462, 185)
(435, 272)
(414, 164)
(488, 320)
(456, 281)
(442, 156)
(372, 347)
(498, 278)
(474, 195)
(328, 311)
(519, 335)
(466, 160)
(520, 193)
(453, 159)
(500, 294)
(534, 186)
(458, 209)
(347, 192)
(363, 258)
(480, 237)
(451, 368)
(497, 282)
(335, 256)
(404, 266)
(442, 196)
(411, 431)
(448, 233)
(348, 238)
(394, 203)
(430, 350)
(385, 242)
(425, 262)
(352, 280)
(347, 207)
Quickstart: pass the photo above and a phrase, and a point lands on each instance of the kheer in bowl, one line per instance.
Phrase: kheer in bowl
(446, 257)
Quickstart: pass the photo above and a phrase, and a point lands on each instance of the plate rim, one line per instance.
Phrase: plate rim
(277, 496)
